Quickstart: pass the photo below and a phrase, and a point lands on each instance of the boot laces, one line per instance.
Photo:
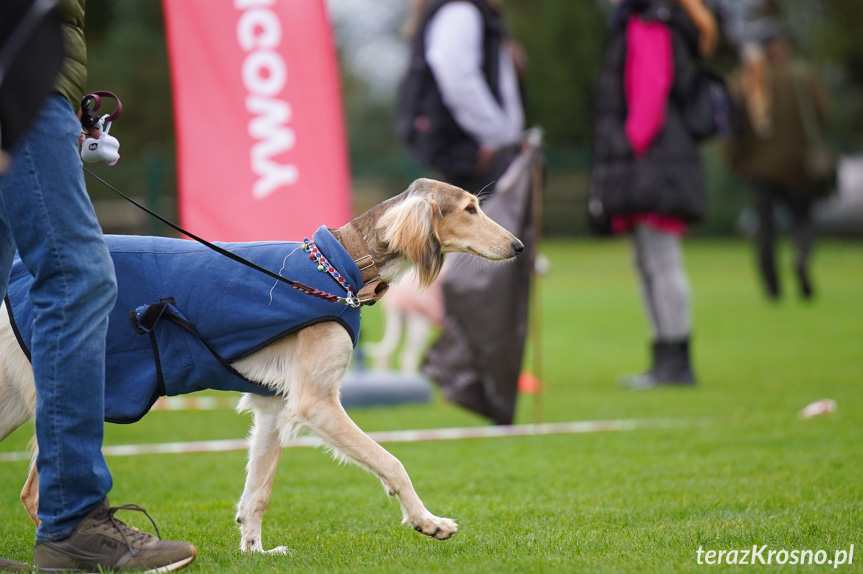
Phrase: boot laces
(131, 534)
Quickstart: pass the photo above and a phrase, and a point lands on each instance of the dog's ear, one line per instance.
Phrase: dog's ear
(437, 216)
(411, 228)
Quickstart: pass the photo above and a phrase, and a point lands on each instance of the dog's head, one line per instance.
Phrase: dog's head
(432, 218)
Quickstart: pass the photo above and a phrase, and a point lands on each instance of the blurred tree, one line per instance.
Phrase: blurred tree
(834, 42)
(127, 56)
(563, 41)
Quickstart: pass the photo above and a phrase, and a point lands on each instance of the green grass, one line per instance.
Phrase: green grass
(640, 501)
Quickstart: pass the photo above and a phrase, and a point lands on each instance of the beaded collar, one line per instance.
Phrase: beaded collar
(324, 265)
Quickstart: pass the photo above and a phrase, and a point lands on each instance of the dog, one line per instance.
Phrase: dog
(410, 314)
(301, 371)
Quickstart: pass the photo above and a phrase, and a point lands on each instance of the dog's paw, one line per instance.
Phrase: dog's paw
(436, 527)
(256, 546)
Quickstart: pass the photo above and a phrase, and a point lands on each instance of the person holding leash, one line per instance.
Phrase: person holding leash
(46, 215)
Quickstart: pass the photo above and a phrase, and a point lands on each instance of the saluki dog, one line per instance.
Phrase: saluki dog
(411, 230)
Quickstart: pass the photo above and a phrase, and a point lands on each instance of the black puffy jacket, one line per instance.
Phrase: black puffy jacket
(669, 179)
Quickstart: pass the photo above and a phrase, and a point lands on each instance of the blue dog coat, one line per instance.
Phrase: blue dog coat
(184, 313)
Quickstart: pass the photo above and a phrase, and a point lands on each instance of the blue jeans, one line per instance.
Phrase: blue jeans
(46, 214)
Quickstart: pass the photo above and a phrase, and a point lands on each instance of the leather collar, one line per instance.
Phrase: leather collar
(373, 287)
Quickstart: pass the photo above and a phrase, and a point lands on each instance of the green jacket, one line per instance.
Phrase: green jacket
(73, 76)
(779, 157)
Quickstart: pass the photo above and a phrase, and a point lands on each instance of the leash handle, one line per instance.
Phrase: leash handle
(295, 284)
(89, 117)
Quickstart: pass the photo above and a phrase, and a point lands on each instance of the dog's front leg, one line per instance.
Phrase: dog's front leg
(264, 452)
(326, 418)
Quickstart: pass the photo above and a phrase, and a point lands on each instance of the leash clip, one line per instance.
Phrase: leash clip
(350, 301)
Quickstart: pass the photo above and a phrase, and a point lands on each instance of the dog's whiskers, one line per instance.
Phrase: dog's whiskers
(481, 194)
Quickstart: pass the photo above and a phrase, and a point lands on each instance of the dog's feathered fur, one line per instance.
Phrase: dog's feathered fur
(413, 229)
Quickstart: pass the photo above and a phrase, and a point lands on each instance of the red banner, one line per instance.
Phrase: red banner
(260, 134)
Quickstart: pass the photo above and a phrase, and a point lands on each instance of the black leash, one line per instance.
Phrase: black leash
(295, 284)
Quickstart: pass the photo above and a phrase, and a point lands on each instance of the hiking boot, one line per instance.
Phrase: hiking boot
(14, 566)
(100, 542)
(671, 367)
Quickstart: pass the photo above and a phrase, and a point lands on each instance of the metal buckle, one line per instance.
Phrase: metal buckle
(368, 256)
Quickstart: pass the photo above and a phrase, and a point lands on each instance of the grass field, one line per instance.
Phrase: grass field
(750, 473)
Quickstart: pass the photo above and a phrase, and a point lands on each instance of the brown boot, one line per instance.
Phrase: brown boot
(7, 565)
(101, 542)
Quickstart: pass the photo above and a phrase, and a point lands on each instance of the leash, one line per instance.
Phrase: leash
(350, 300)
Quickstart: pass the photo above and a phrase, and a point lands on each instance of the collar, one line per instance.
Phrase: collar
(373, 287)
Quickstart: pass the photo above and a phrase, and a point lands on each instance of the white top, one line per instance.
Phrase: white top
(454, 52)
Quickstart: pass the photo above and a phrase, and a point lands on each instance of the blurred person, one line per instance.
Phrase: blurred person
(459, 109)
(459, 112)
(46, 215)
(647, 179)
(775, 161)
(746, 23)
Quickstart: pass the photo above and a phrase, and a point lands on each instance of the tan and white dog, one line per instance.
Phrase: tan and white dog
(412, 230)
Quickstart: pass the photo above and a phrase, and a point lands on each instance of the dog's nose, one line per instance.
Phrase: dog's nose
(517, 246)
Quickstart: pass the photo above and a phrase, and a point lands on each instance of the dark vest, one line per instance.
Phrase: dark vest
(670, 179)
(422, 120)
(31, 56)
(185, 312)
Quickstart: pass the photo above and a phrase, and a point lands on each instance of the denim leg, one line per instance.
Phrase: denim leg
(46, 207)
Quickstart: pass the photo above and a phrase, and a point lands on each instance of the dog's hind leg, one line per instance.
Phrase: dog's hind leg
(17, 403)
(30, 492)
(264, 452)
(17, 395)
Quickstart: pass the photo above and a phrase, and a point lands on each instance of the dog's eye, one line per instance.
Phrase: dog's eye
(470, 209)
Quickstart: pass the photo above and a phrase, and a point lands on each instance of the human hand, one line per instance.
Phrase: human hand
(87, 132)
(484, 159)
(519, 57)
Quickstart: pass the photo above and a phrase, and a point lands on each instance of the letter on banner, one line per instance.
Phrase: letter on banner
(261, 146)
